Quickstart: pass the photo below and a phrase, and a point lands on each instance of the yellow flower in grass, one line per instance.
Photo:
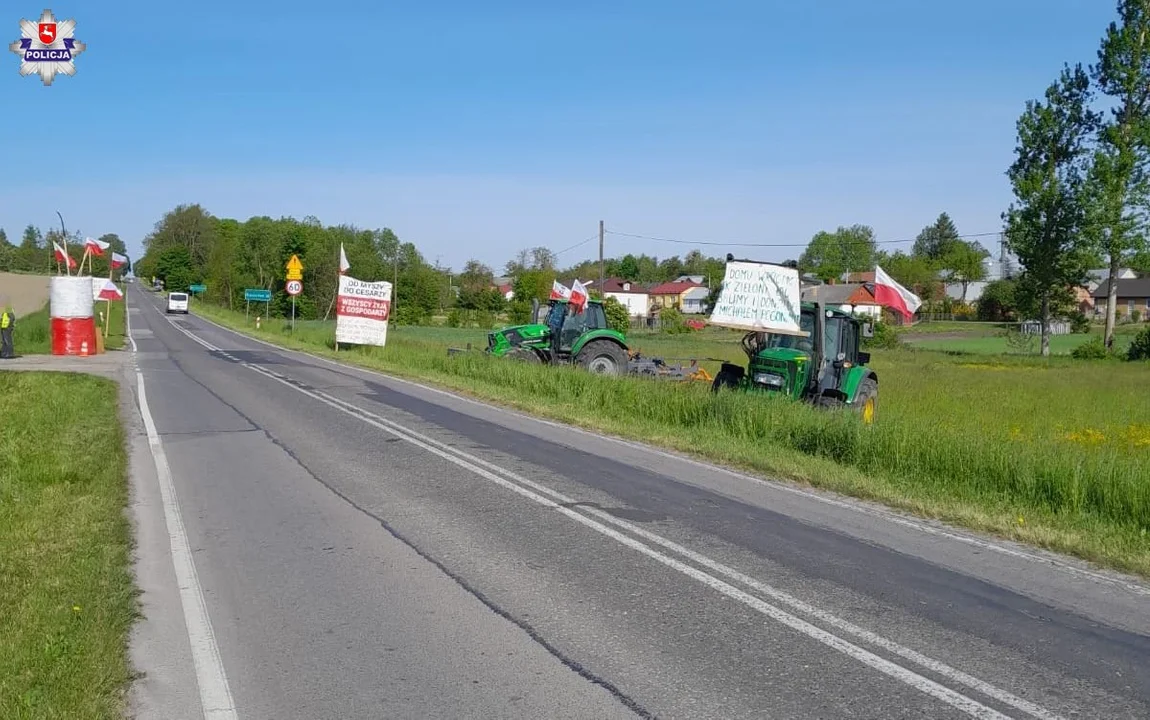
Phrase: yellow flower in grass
(1087, 436)
(1137, 435)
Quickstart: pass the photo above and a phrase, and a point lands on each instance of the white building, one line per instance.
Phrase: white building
(631, 295)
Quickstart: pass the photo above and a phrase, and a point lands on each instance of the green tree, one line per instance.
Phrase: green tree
(997, 302)
(30, 256)
(176, 268)
(1044, 226)
(628, 267)
(617, 316)
(1122, 159)
(7, 252)
(475, 281)
(937, 240)
(963, 264)
(533, 284)
(847, 249)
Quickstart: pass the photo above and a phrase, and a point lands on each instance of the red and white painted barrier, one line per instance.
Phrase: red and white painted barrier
(70, 308)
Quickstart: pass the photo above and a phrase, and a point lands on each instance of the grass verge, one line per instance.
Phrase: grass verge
(33, 333)
(930, 453)
(67, 598)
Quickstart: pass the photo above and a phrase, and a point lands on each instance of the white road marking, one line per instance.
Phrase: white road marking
(539, 494)
(128, 323)
(215, 694)
(1048, 561)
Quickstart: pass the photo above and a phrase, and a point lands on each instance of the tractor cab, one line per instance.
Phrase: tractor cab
(573, 325)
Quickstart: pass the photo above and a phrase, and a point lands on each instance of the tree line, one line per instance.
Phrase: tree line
(34, 253)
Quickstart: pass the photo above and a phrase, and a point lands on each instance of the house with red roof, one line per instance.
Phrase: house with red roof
(687, 296)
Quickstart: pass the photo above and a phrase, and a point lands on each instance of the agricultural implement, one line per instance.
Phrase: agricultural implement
(586, 341)
(801, 350)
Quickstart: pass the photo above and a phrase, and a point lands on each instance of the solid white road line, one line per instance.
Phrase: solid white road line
(1048, 561)
(538, 493)
(215, 695)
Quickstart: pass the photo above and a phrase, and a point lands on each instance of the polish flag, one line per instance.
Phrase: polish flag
(94, 246)
(578, 294)
(109, 291)
(889, 293)
(61, 256)
(559, 291)
(343, 263)
(118, 260)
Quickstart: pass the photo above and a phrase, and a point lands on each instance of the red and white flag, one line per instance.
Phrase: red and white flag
(578, 294)
(889, 293)
(109, 291)
(61, 256)
(118, 260)
(94, 246)
(344, 265)
(559, 291)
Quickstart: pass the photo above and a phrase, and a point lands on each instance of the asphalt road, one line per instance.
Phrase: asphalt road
(370, 548)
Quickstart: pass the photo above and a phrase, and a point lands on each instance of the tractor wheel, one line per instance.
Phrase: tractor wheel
(603, 357)
(867, 400)
(523, 354)
(728, 377)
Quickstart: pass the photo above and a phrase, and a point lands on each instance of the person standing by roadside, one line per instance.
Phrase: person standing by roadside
(7, 324)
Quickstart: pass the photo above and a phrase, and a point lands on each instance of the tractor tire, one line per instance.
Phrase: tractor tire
(728, 377)
(523, 354)
(866, 400)
(603, 357)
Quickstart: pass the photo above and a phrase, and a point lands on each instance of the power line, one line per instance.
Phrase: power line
(581, 243)
(767, 245)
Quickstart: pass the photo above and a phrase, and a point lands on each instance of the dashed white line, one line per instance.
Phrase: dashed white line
(1050, 562)
(555, 501)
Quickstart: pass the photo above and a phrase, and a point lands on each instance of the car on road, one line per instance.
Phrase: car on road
(178, 303)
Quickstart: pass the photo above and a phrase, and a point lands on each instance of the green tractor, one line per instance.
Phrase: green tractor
(584, 340)
(822, 365)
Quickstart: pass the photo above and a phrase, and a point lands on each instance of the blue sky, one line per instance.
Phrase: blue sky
(475, 129)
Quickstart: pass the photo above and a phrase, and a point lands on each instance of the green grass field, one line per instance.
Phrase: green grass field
(67, 598)
(1054, 452)
(33, 334)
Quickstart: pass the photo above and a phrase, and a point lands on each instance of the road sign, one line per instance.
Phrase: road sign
(197, 288)
(258, 295)
(294, 287)
(294, 269)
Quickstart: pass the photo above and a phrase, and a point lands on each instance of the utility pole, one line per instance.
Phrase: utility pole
(602, 266)
(394, 280)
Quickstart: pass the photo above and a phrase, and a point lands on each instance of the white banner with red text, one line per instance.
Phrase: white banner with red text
(361, 311)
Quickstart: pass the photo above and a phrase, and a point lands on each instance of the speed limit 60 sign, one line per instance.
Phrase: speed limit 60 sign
(294, 287)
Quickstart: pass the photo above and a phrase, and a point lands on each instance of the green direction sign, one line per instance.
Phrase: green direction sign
(257, 295)
(197, 288)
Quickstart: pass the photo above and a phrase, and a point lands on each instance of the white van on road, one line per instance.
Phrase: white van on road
(178, 303)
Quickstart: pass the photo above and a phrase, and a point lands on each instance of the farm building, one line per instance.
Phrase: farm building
(1097, 277)
(848, 297)
(1133, 296)
(672, 294)
(695, 300)
(631, 295)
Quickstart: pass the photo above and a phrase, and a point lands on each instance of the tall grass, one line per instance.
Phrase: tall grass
(1057, 453)
(67, 597)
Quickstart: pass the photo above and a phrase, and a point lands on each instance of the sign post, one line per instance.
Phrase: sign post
(256, 295)
(294, 284)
